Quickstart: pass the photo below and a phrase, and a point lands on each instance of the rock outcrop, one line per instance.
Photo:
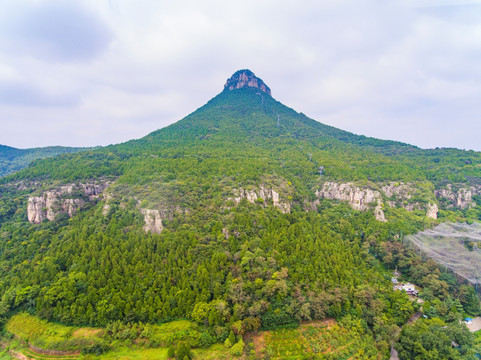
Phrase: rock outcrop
(399, 190)
(432, 211)
(398, 195)
(261, 195)
(66, 199)
(461, 198)
(153, 221)
(379, 212)
(359, 199)
(246, 78)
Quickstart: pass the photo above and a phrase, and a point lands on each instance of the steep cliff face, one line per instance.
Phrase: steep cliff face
(246, 78)
(379, 212)
(394, 195)
(260, 195)
(432, 211)
(359, 199)
(461, 198)
(66, 199)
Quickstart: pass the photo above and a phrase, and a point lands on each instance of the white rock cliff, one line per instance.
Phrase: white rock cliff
(66, 199)
(263, 193)
(365, 198)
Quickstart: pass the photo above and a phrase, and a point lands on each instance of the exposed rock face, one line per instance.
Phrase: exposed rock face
(432, 211)
(461, 198)
(36, 210)
(359, 199)
(402, 191)
(364, 198)
(153, 221)
(379, 213)
(67, 199)
(246, 78)
(263, 193)
(225, 231)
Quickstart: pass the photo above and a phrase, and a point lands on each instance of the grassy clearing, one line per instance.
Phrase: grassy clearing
(166, 334)
(127, 353)
(215, 352)
(52, 336)
(4, 355)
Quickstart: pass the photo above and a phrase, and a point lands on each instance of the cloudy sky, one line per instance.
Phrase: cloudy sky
(97, 72)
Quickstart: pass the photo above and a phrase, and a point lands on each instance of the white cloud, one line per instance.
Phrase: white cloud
(378, 68)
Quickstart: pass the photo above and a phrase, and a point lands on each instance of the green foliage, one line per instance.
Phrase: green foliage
(96, 349)
(432, 339)
(321, 341)
(238, 348)
(231, 337)
(183, 351)
(171, 352)
(224, 265)
(469, 300)
(228, 343)
(52, 336)
(206, 339)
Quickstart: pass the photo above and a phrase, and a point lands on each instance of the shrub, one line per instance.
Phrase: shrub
(206, 340)
(238, 348)
(97, 349)
(183, 351)
(171, 352)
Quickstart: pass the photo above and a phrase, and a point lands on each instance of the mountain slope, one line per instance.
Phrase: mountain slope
(244, 214)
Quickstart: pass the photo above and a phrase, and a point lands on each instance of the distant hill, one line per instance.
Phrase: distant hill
(13, 159)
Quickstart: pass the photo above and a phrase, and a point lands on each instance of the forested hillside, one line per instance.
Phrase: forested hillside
(244, 215)
(12, 159)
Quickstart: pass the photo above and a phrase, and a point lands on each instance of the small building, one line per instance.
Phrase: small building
(410, 289)
(468, 321)
(394, 280)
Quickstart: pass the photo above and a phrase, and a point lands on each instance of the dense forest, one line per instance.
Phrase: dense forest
(237, 266)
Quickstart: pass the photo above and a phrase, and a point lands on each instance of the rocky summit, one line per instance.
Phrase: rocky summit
(246, 78)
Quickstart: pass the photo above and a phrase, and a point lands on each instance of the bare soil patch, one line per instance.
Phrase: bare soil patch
(259, 342)
(329, 323)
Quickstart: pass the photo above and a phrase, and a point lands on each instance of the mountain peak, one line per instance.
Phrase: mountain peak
(246, 78)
